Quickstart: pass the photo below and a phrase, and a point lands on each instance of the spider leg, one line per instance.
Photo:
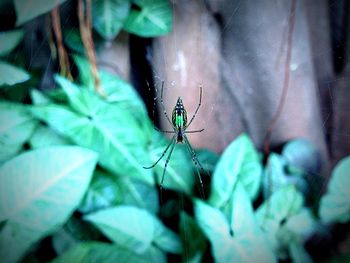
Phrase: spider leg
(195, 161)
(166, 149)
(194, 131)
(199, 104)
(163, 107)
(166, 164)
(163, 131)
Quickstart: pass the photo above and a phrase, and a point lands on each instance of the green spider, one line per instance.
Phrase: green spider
(179, 124)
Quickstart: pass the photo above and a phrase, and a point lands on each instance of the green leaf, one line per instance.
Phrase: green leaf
(279, 208)
(335, 205)
(228, 247)
(9, 40)
(103, 127)
(240, 161)
(91, 252)
(39, 97)
(208, 159)
(44, 136)
(8, 151)
(16, 124)
(178, 175)
(107, 190)
(109, 15)
(29, 9)
(116, 90)
(31, 187)
(303, 155)
(73, 40)
(193, 238)
(154, 18)
(135, 229)
(11, 75)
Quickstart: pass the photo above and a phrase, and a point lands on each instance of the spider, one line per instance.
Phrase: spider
(179, 124)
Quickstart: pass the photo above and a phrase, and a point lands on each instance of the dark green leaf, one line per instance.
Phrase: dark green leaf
(208, 159)
(135, 229)
(103, 127)
(109, 15)
(9, 40)
(11, 75)
(335, 205)
(8, 151)
(193, 238)
(31, 187)
(73, 40)
(91, 252)
(27, 10)
(154, 18)
(240, 161)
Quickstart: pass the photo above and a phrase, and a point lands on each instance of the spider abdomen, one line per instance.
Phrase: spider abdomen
(179, 115)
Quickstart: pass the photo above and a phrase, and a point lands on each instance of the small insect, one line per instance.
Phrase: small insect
(179, 124)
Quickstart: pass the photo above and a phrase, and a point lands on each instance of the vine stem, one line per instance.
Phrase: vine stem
(62, 54)
(291, 23)
(85, 27)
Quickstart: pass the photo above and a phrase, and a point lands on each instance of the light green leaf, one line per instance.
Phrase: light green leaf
(17, 125)
(109, 15)
(116, 90)
(11, 75)
(134, 228)
(240, 161)
(227, 246)
(193, 238)
(154, 18)
(29, 9)
(178, 175)
(103, 127)
(91, 252)
(107, 190)
(39, 97)
(8, 151)
(31, 187)
(44, 136)
(278, 209)
(335, 205)
(9, 40)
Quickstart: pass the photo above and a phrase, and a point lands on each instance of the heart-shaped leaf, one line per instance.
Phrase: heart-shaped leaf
(240, 161)
(109, 15)
(335, 205)
(151, 18)
(32, 202)
(106, 128)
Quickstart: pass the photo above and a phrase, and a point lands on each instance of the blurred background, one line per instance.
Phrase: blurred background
(276, 70)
